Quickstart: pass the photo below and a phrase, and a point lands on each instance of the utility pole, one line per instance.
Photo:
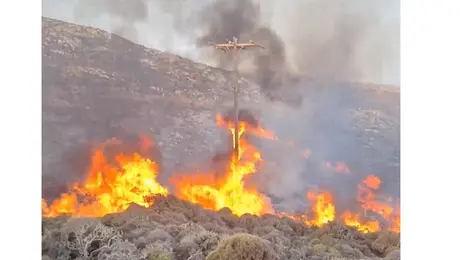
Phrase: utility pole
(234, 47)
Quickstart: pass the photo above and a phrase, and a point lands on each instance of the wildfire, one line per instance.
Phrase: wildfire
(110, 188)
(370, 203)
(114, 183)
(368, 199)
(229, 191)
(323, 208)
(354, 220)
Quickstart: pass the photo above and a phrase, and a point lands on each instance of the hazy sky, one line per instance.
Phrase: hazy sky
(169, 25)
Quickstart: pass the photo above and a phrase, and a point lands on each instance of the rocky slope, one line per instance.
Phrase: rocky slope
(97, 85)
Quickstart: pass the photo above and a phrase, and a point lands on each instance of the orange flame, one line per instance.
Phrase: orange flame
(372, 182)
(395, 225)
(354, 220)
(230, 190)
(323, 208)
(368, 199)
(370, 203)
(110, 188)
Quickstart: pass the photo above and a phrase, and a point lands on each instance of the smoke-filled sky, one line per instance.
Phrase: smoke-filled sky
(355, 40)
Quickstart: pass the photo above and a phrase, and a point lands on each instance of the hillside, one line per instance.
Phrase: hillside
(97, 86)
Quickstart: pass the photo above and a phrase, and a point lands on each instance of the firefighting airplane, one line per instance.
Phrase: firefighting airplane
(235, 45)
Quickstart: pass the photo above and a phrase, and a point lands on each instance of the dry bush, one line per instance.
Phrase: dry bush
(54, 245)
(53, 223)
(248, 222)
(238, 230)
(243, 247)
(300, 248)
(362, 246)
(300, 229)
(87, 239)
(214, 227)
(284, 225)
(193, 212)
(160, 255)
(262, 230)
(225, 211)
(113, 220)
(280, 243)
(384, 241)
(228, 218)
(319, 248)
(135, 210)
(277, 237)
(348, 252)
(394, 255)
(158, 250)
(154, 236)
(171, 203)
(172, 215)
(201, 217)
(208, 241)
(325, 251)
(268, 220)
(314, 241)
(127, 222)
(173, 230)
(186, 248)
(390, 249)
(119, 250)
(188, 229)
(197, 243)
(328, 239)
(214, 217)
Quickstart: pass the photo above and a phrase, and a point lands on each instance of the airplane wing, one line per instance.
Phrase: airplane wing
(225, 45)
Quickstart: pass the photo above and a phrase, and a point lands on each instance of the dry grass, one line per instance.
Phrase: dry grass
(173, 229)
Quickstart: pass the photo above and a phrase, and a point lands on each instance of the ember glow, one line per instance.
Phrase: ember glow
(230, 190)
(110, 187)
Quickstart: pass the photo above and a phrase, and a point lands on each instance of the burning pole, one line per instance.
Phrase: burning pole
(234, 46)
